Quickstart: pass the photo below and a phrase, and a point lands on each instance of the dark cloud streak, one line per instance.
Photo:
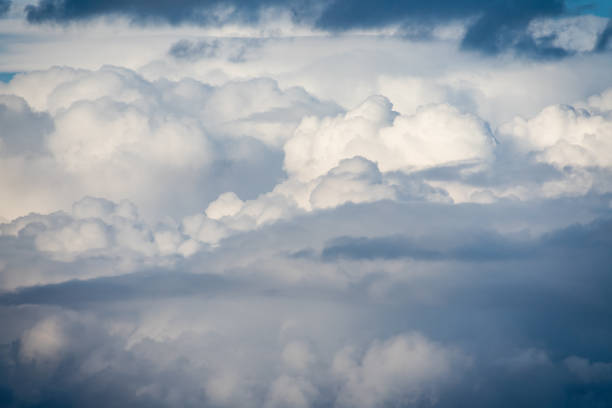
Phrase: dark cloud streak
(471, 246)
(497, 25)
(605, 38)
(143, 285)
(185, 49)
(173, 12)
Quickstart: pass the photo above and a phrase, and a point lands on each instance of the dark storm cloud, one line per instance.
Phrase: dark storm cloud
(497, 25)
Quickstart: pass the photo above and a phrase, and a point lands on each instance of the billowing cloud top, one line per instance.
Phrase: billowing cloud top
(305, 204)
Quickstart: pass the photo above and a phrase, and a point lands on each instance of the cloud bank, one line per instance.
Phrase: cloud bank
(328, 204)
(490, 27)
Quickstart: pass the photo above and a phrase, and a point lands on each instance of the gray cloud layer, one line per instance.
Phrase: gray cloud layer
(494, 26)
(250, 336)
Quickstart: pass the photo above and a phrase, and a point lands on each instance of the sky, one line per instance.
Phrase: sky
(325, 204)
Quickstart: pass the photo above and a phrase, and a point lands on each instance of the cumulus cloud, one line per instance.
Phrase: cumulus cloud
(95, 229)
(355, 180)
(434, 135)
(327, 168)
(266, 215)
(118, 135)
(568, 135)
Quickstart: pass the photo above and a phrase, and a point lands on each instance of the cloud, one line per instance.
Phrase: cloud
(603, 41)
(234, 50)
(390, 337)
(24, 131)
(374, 131)
(194, 11)
(297, 356)
(494, 27)
(95, 230)
(355, 180)
(567, 135)
(572, 34)
(473, 246)
(114, 134)
(287, 391)
(481, 247)
(194, 50)
(5, 6)
(504, 25)
(401, 370)
(491, 28)
(369, 153)
(587, 371)
(43, 342)
(321, 205)
(326, 170)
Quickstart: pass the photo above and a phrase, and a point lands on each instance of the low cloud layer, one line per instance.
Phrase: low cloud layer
(255, 324)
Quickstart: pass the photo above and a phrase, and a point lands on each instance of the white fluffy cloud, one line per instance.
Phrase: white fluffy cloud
(434, 135)
(565, 135)
(353, 180)
(94, 136)
(96, 228)
(112, 133)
